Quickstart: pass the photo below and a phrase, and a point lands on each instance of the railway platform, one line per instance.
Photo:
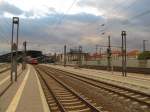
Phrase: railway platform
(25, 95)
(139, 82)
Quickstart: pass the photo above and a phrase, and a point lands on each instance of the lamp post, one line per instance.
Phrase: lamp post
(24, 55)
(144, 45)
(124, 54)
(14, 48)
(65, 48)
(80, 56)
(109, 54)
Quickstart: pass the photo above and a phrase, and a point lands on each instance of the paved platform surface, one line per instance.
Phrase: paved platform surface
(25, 95)
(138, 82)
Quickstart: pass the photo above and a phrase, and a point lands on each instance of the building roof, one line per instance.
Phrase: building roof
(133, 53)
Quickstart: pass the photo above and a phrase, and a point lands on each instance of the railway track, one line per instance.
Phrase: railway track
(6, 66)
(136, 96)
(5, 89)
(62, 98)
(9, 85)
(2, 71)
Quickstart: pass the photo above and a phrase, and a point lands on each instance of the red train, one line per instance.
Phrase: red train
(33, 61)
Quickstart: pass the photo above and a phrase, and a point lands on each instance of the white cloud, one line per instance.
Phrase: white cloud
(91, 40)
(42, 7)
(40, 21)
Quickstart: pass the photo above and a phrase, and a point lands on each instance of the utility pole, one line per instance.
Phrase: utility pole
(124, 54)
(144, 45)
(45, 59)
(100, 54)
(80, 56)
(55, 58)
(96, 51)
(24, 55)
(14, 49)
(109, 55)
(65, 55)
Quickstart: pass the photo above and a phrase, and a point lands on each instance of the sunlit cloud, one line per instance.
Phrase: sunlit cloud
(50, 22)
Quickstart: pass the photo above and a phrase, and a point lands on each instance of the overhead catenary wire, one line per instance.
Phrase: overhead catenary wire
(137, 16)
(115, 11)
(63, 16)
(126, 22)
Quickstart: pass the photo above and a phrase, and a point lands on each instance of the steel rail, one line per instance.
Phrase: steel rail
(92, 107)
(87, 80)
(52, 93)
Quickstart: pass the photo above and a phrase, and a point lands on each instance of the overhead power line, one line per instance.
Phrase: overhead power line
(141, 14)
(122, 5)
(137, 16)
(63, 16)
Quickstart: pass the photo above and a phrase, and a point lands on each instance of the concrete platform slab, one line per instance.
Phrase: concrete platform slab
(138, 82)
(6, 98)
(7, 72)
(25, 95)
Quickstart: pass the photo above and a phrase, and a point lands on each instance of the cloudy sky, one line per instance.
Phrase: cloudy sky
(49, 24)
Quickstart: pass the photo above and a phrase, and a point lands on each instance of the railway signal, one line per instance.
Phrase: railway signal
(14, 49)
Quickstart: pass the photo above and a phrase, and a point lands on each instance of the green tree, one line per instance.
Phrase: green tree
(144, 55)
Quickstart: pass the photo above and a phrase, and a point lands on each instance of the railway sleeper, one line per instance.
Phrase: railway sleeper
(67, 97)
(50, 101)
(54, 108)
(73, 103)
(143, 98)
(82, 110)
(136, 96)
(64, 95)
(49, 98)
(69, 100)
(148, 101)
(53, 104)
(76, 107)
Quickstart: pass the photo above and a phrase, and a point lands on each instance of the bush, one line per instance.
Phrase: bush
(144, 55)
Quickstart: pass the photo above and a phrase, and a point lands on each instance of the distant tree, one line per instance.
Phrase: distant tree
(144, 55)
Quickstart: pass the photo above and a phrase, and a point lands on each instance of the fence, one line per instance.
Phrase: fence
(118, 63)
